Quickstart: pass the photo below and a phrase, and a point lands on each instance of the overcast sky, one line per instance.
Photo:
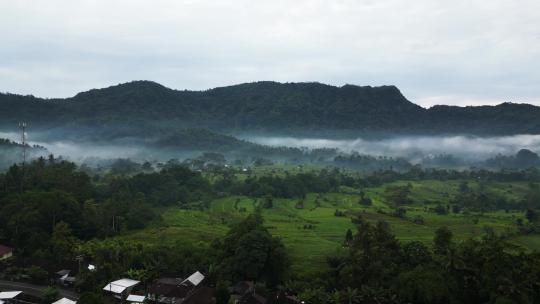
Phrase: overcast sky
(463, 52)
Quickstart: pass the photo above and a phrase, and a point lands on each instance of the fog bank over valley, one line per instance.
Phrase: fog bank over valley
(458, 152)
(415, 147)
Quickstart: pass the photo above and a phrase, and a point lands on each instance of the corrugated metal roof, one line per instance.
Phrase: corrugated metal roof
(120, 285)
(136, 298)
(9, 294)
(64, 301)
(195, 278)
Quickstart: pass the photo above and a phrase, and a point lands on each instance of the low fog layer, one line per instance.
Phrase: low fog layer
(412, 148)
(416, 147)
(80, 151)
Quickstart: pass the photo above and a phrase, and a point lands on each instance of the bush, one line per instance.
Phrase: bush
(50, 295)
(339, 213)
(440, 210)
(418, 220)
(90, 298)
(400, 212)
(365, 201)
(37, 274)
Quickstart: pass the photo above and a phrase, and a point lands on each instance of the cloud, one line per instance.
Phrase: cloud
(474, 51)
(416, 147)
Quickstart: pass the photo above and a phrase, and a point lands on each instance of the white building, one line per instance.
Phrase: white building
(121, 288)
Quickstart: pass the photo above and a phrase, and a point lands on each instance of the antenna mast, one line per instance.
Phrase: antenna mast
(22, 126)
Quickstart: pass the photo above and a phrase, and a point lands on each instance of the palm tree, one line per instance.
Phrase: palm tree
(352, 295)
(335, 297)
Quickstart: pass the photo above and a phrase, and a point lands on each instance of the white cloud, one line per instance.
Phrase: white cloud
(470, 51)
(416, 147)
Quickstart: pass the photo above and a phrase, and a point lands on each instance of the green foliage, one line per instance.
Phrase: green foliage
(37, 274)
(90, 298)
(381, 270)
(249, 252)
(442, 241)
(398, 195)
(146, 108)
(49, 295)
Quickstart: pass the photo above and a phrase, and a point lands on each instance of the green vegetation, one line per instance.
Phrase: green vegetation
(313, 232)
(374, 236)
(145, 109)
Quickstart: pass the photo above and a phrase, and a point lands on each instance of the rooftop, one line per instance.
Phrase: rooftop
(120, 285)
(64, 301)
(195, 278)
(6, 295)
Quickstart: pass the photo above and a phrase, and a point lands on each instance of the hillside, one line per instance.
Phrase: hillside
(146, 109)
(12, 152)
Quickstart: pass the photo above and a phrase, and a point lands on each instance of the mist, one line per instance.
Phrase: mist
(80, 151)
(414, 148)
(470, 150)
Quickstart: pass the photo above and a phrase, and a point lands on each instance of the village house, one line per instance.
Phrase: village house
(63, 278)
(120, 289)
(65, 301)
(10, 297)
(5, 252)
(179, 291)
(135, 299)
(244, 293)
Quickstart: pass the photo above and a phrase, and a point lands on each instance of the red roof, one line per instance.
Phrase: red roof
(5, 250)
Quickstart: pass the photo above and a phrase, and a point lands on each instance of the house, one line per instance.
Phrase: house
(244, 293)
(242, 287)
(5, 252)
(10, 297)
(63, 278)
(251, 298)
(120, 289)
(179, 291)
(135, 299)
(65, 301)
(201, 295)
(194, 279)
(167, 290)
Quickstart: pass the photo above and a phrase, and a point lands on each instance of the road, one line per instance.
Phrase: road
(34, 290)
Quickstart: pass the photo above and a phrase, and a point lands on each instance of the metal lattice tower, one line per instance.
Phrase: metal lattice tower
(22, 126)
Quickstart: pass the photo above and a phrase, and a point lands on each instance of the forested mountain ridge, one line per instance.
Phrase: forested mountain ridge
(145, 108)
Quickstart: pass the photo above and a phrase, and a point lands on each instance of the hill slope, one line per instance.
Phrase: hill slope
(147, 109)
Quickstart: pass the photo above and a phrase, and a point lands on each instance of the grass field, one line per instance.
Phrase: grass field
(314, 232)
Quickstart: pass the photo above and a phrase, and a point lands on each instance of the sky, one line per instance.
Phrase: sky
(460, 52)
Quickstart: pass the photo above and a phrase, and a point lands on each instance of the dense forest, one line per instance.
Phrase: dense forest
(143, 109)
(52, 211)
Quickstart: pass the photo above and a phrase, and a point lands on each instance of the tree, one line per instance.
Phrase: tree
(222, 293)
(464, 187)
(424, 285)
(398, 195)
(416, 253)
(374, 256)
(348, 237)
(90, 298)
(50, 295)
(531, 215)
(268, 202)
(249, 252)
(442, 240)
(351, 295)
(63, 243)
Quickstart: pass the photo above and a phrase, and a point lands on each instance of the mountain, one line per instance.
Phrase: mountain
(146, 109)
